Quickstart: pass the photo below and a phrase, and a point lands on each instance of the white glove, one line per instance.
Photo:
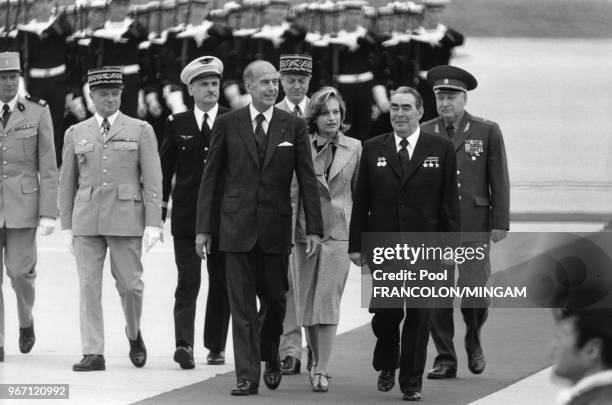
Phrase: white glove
(69, 240)
(174, 99)
(153, 104)
(46, 226)
(152, 235)
(141, 110)
(77, 108)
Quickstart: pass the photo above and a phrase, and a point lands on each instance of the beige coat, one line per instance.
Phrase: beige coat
(336, 191)
(110, 187)
(28, 173)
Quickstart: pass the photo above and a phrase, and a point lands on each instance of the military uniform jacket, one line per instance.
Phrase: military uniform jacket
(110, 187)
(28, 174)
(482, 172)
(424, 199)
(256, 206)
(183, 152)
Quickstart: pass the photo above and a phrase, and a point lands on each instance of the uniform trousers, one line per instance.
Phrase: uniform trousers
(18, 254)
(472, 273)
(129, 96)
(126, 269)
(256, 334)
(291, 339)
(53, 90)
(358, 97)
(189, 266)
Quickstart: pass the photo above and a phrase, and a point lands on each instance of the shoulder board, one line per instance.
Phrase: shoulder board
(36, 100)
(430, 122)
(482, 120)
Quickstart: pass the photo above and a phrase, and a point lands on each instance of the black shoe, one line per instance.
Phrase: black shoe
(244, 387)
(1, 353)
(290, 366)
(476, 362)
(441, 372)
(411, 396)
(386, 380)
(272, 374)
(138, 351)
(309, 362)
(26, 339)
(215, 358)
(183, 355)
(90, 362)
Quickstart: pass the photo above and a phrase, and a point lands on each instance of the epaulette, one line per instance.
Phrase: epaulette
(482, 120)
(36, 100)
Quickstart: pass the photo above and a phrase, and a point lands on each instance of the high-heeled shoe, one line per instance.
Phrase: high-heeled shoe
(320, 383)
(312, 372)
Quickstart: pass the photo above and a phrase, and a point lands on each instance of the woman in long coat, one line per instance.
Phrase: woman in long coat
(319, 281)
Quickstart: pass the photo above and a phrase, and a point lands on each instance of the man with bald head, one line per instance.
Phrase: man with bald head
(253, 155)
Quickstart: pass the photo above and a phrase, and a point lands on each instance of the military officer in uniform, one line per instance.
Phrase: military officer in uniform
(183, 153)
(484, 193)
(28, 192)
(295, 73)
(109, 193)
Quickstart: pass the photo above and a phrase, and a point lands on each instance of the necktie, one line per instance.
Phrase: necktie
(6, 113)
(450, 130)
(297, 110)
(105, 128)
(260, 138)
(404, 156)
(205, 128)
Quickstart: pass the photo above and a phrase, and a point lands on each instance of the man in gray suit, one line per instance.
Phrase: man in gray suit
(295, 73)
(110, 193)
(28, 192)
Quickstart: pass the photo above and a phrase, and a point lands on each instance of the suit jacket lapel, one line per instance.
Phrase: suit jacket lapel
(276, 131)
(421, 151)
(341, 158)
(389, 151)
(116, 127)
(95, 129)
(245, 131)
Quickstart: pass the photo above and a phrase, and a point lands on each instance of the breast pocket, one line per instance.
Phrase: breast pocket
(83, 152)
(125, 153)
(28, 138)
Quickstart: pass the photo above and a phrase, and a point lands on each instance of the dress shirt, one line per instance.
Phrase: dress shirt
(199, 116)
(267, 115)
(412, 141)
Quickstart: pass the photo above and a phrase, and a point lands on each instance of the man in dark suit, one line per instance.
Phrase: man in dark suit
(484, 184)
(399, 191)
(253, 156)
(183, 153)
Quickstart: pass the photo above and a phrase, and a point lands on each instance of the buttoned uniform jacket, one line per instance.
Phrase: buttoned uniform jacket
(256, 206)
(110, 187)
(482, 174)
(335, 192)
(183, 153)
(284, 106)
(422, 200)
(28, 173)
